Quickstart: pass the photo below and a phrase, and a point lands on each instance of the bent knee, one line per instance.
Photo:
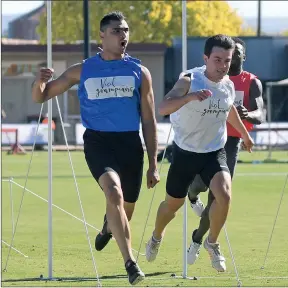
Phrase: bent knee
(174, 204)
(224, 195)
(221, 188)
(114, 195)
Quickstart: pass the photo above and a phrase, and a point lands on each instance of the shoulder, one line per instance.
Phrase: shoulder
(256, 87)
(146, 75)
(196, 71)
(256, 82)
(253, 78)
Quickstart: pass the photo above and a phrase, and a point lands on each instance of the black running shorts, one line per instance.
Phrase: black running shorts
(231, 147)
(121, 152)
(186, 165)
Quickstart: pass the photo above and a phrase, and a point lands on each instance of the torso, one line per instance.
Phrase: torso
(109, 94)
(242, 84)
(201, 126)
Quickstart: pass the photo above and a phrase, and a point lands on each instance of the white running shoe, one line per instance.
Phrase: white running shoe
(193, 252)
(198, 207)
(217, 259)
(152, 248)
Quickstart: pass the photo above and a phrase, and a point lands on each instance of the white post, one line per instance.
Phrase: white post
(49, 64)
(269, 117)
(11, 204)
(184, 67)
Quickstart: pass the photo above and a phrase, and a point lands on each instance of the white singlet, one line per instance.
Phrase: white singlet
(201, 126)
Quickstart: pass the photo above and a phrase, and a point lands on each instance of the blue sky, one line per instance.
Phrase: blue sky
(245, 8)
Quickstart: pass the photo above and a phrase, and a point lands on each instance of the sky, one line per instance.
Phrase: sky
(245, 8)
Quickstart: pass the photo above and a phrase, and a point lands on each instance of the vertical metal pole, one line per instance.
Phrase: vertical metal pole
(86, 29)
(259, 19)
(184, 67)
(11, 204)
(49, 64)
(269, 118)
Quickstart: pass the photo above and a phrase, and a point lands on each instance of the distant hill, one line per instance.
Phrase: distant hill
(269, 25)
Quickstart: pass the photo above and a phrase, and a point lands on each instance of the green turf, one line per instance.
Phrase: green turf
(256, 195)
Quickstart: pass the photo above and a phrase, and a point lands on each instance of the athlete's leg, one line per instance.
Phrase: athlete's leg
(195, 188)
(231, 148)
(217, 173)
(105, 169)
(181, 174)
(129, 156)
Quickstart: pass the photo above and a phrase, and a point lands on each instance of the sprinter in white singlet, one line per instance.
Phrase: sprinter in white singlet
(199, 105)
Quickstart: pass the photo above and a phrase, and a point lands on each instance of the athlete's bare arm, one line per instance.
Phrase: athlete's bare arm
(256, 104)
(149, 126)
(235, 121)
(42, 90)
(178, 97)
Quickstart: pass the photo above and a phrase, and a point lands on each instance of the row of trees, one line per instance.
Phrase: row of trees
(149, 21)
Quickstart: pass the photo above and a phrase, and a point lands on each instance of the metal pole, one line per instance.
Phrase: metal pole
(11, 204)
(86, 29)
(259, 19)
(184, 68)
(49, 64)
(269, 116)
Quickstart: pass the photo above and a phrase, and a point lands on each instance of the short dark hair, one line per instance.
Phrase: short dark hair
(112, 16)
(239, 41)
(219, 40)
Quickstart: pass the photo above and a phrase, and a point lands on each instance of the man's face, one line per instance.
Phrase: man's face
(238, 56)
(115, 37)
(218, 63)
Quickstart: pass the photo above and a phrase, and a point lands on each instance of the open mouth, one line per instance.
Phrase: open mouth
(123, 43)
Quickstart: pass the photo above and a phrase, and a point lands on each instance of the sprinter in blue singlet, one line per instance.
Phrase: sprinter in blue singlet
(115, 94)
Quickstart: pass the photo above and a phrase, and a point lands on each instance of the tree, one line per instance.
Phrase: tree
(149, 21)
(285, 33)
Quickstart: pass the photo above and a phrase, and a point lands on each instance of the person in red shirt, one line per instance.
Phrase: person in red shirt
(249, 104)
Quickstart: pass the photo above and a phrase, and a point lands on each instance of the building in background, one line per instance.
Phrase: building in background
(24, 27)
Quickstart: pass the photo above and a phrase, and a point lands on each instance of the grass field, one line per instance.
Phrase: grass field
(256, 195)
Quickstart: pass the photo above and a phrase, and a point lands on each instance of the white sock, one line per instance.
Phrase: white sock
(156, 240)
(209, 242)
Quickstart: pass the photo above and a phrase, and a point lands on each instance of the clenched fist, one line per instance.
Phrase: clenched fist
(45, 74)
(200, 95)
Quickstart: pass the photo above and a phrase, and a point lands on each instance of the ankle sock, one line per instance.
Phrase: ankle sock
(156, 240)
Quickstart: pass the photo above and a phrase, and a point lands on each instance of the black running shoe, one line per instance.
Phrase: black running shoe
(135, 275)
(103, 237)
(193, 235)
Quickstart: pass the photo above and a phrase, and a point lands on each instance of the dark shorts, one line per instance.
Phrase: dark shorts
(186, 165)
(121, 152)
(232, 148)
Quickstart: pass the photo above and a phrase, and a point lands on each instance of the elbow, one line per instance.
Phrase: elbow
(38, 100)
(259, 121)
